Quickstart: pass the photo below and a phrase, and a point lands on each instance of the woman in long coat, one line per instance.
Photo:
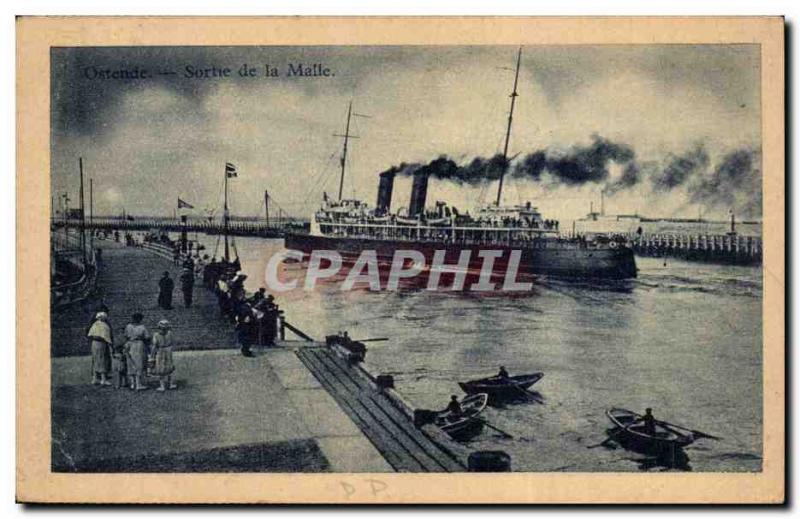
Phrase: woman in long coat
(136, 351)
(100, 337)
(162, 351)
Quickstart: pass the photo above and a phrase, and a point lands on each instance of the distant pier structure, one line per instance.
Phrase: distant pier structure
(725, 242)
(729, 248)
(236, 226)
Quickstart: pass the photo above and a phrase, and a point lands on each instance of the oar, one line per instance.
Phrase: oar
(490, 426)
(610, 437)
(699, 434)
(527, 393)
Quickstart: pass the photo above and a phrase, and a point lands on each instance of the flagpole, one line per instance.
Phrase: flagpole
(91, 213)
(83, 219)
(225, 215)
(266, 205)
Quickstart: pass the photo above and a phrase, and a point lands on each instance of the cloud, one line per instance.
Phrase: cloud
(154, 141)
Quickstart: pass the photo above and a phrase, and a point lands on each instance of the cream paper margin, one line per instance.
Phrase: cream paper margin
(35, 482)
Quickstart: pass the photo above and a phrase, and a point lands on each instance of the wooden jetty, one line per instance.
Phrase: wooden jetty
(406, 448)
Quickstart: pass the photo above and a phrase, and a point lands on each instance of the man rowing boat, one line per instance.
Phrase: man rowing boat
(454, 407)
(649, 422)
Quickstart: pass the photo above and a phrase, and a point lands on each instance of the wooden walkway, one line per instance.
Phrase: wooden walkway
(127, 282)
(404, 446)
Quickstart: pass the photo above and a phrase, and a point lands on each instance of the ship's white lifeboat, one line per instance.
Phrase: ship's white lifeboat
(406, 221)
(439, 221)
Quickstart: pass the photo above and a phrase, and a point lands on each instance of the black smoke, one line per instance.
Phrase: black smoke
(680, 168)
(630, 176)
(402, 169)
(734, 181)
(579, 165)
(475, 172)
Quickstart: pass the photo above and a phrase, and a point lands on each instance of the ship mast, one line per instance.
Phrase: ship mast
(225, 217)
(508, 128)
(344, 149)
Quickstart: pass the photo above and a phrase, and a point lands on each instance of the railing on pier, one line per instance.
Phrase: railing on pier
(236, 227)
(67, 248)
(727, 248)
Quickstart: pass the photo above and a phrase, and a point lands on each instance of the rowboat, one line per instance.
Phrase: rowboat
(467, 423)
(631, 431)
(502, 388)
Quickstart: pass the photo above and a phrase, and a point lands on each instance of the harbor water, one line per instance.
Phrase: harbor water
(682, 338)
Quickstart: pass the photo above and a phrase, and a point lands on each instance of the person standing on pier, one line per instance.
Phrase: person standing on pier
(136, 351)
(187, 286)
(244, 330)
(162, 351)
(100, 336)
(165, 288)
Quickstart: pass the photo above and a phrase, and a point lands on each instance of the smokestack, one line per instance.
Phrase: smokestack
(419, 190)
(385, 191)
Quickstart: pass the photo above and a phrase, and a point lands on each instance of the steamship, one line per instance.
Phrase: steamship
(350, 227)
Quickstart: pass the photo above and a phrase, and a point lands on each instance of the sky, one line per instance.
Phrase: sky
(147, 141)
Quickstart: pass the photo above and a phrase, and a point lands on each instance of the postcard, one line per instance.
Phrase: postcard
(400, 260)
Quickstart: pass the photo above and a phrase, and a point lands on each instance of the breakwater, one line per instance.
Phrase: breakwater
(727, 248)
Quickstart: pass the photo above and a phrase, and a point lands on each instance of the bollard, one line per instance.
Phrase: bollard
(489, 461)
(384, 382)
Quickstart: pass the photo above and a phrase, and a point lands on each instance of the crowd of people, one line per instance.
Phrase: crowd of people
(255, 316)
(126, 363)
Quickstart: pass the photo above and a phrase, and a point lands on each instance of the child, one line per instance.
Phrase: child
(162, 348)
(119, 367)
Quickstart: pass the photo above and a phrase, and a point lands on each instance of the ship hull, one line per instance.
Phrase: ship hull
(563, 261)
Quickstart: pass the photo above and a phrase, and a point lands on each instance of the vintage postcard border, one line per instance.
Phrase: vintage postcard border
(35, 482)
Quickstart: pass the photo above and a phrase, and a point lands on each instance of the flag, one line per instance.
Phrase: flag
(186, 205)
(230, 170)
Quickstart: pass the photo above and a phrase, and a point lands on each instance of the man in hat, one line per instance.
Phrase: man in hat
(258, 296)
(269, 327)
(649, 422)
(187, 286)
(165, 287)
(244, 330)
(454, 407)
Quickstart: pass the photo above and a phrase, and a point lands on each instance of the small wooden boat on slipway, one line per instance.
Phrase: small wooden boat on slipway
(631, 432)
(466, 424)
(502, 388)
